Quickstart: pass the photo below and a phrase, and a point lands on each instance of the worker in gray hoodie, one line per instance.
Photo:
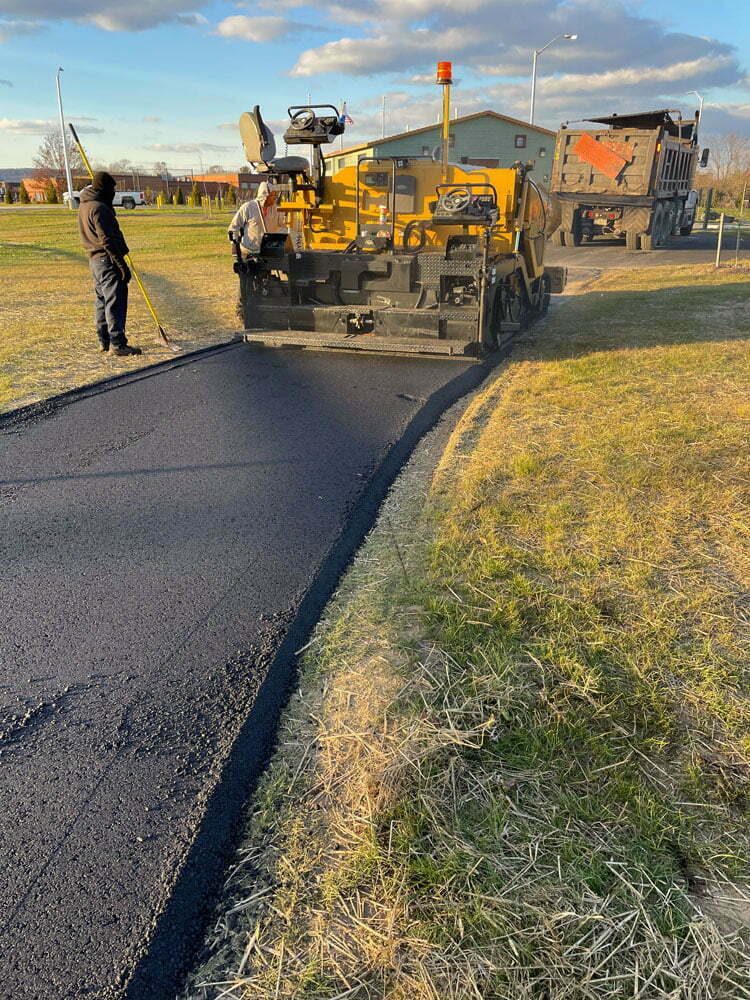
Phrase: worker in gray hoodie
(102, 238)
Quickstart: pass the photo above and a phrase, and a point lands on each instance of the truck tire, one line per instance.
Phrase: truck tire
(658, 225)
(686, 230)
(631, 239)
(576, 236)
(128, 203)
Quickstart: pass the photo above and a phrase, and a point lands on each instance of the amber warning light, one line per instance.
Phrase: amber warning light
(444, 72)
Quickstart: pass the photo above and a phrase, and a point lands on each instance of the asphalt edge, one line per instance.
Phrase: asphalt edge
(43, 408)
(166, 958)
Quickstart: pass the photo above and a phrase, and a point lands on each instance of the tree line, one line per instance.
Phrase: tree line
(49, 167)
(728, 171)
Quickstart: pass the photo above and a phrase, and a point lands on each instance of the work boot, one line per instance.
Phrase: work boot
(103, 347)
(126, 351)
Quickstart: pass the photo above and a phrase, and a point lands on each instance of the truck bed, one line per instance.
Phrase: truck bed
(624, 163)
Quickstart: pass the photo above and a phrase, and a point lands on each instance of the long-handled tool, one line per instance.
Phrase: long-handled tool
(161, 337)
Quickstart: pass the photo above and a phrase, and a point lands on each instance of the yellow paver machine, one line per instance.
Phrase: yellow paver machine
(403, 254)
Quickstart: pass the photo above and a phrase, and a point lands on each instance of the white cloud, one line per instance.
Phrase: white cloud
(409, 36)
(111, 15)
(620, 61)
(396, 51)
(151, 118)
(8, 29)
(190, 147)
(40, 126)
(5, 83)
(570, 83)
(228, 126)
(741, 110)
(252, 29)
(261, 29)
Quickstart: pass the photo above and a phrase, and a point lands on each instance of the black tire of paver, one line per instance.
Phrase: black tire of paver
(542, 295)
(631, 239)
(557, 238)
(646, 241)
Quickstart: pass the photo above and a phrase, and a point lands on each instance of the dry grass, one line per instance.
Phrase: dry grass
(47, 337)
(517, 766)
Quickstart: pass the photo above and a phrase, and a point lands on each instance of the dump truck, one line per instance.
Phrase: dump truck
(401, 254)
(631, 179)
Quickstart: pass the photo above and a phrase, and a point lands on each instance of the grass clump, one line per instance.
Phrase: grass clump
(517, 765)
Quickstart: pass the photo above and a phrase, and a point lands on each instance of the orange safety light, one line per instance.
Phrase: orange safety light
(444, 72)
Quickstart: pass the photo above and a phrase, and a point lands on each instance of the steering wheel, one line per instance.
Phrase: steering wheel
(303, 119)
(457, 200)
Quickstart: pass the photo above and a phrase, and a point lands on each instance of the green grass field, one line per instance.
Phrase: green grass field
(47, 338)
(518, 763)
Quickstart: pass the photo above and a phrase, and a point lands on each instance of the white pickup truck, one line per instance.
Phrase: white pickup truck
(126, 199)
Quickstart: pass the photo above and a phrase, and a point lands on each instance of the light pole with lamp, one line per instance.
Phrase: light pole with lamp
(68, 177)
(537, 53)
(700, 106)
(710, 192)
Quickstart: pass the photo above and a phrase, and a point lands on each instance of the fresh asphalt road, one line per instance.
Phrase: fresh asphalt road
(604, 254)
(161, 540)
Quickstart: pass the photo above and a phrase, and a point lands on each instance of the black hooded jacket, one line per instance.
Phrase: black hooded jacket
(98, 226)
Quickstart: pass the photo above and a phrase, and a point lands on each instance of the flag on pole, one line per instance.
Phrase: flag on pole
(345, 119)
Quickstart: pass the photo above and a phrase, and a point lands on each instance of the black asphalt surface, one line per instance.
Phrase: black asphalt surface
(605, 254)
(166, 545)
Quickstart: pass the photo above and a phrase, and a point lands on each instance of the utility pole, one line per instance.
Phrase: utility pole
(537, 53)
(68, 177)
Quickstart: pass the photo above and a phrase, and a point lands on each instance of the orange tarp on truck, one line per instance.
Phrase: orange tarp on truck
(599, 155)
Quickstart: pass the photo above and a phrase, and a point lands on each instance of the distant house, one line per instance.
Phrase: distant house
(244, 183)
(484, 139)
(36, 187)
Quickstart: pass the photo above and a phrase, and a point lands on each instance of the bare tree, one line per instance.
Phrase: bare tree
(50, 160)
(728, 169)
(730, 155)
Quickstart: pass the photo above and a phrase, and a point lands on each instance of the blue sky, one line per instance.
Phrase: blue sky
(152, 80)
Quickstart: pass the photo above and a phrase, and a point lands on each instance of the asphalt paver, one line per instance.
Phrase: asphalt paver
(166, 545)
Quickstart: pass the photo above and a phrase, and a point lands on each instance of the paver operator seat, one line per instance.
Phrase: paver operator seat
(260, 147)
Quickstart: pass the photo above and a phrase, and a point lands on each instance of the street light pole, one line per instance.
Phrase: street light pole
(537, 53)
(700, 107)
(68, 177)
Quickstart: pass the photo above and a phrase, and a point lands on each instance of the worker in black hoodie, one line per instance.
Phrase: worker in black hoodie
(103, 240)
